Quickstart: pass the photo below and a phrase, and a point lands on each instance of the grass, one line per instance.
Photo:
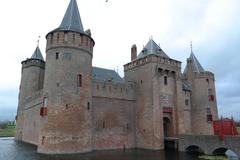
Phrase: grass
(8, 131)
(206, 157)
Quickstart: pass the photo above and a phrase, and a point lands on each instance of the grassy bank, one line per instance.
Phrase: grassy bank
(213, 157)
(7, 131)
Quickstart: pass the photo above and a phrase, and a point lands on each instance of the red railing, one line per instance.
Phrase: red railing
(224, 126)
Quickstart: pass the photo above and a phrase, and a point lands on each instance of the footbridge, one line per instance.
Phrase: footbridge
(209, 144)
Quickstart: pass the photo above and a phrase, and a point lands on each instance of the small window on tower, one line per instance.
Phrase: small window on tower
(74, 37)
(88, 106)
(186, 102)
(57, 55)
(79, 80)
(65, 36)
(67, 56)
(207, 80)
(103, 124)
(58, 37)
(165, 80)
(209, 115)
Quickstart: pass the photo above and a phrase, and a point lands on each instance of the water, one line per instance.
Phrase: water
(12, 150)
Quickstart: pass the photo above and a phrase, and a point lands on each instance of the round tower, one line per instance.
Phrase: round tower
(31, 82)
(67, 87)
(203, 97)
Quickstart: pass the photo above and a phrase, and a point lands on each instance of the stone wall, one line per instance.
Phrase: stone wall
(113, 123)
(113, 115)
(32, 120)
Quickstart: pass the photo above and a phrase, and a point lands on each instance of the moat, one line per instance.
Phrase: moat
(12, 150)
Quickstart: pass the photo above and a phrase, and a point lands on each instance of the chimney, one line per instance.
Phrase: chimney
(133, 52)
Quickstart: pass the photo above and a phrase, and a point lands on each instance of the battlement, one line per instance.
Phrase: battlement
(33, 62)
(153, 58)
(205, 74)
(70, 39)
(115, 90)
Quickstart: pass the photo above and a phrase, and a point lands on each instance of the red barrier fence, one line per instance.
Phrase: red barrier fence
(224, 126)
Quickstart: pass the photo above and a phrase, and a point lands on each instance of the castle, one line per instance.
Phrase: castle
(68, 106)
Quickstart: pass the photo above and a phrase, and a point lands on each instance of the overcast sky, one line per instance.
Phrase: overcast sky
(212, 25)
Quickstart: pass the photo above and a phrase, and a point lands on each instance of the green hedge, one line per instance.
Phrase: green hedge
(7, 130)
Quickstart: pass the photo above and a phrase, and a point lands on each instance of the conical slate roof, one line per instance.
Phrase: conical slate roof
(196, 66)
(71, 20)
(152, 48)
(37, 54)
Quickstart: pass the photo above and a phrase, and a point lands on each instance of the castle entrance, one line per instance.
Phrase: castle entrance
(166, 127)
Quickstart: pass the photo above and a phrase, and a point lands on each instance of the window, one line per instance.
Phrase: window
(74, 37)
(186, 102)
(103, 124)
(97, 87)
(165, 80)
(211, 98)
(208, 111)
(141, 81)
(209, 115)
(79, 80)
(67, 56)
(66, 106)
(57, 55)
(207, 80)
(160, 70)
(65, 36)
(43, 111)
(43, 139)
(88, 106)
(58, 37)
(209, 118)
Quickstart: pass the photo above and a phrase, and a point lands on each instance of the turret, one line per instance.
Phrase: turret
(203, 96)
(31, 82)
(67, 87)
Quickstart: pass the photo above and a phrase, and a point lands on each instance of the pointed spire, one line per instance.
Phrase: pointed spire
(152, 48)
(72, 20)
(196, 66)
(37, 54)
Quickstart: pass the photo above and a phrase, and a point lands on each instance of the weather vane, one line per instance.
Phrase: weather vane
(38, 40)
(191, 45)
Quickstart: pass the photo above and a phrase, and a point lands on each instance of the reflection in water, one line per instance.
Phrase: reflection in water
(11, 150)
